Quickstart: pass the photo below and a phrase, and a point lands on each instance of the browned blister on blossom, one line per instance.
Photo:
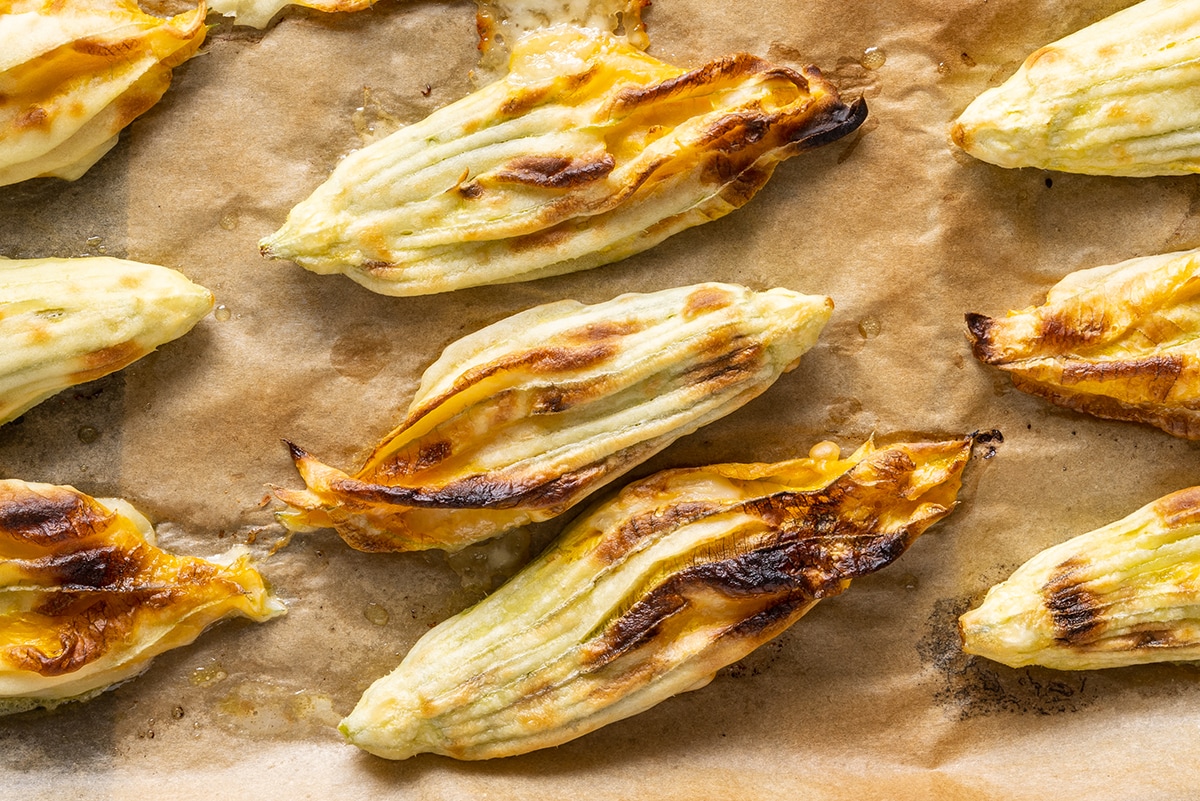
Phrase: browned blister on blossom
(87, 600)
(521, 420)
(1120, 342)
(650, 594)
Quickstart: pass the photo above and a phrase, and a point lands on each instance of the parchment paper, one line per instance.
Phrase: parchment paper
(868, 696)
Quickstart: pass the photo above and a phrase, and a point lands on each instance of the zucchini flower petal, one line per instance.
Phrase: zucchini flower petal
(73, 73)
(67, 321)
(1120, 342)
(588, 151)
(521, 420)
(87, 600)
(650, 594)
(1124, 594)
(1120, 97)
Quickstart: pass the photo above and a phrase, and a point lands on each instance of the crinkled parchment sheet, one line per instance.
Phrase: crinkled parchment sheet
(868, 696)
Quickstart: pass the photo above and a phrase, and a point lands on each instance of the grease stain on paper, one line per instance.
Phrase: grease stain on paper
(971, 686)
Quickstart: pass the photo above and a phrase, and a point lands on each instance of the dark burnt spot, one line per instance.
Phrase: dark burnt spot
(706, 299)
(1155, 375)
(550, 400)
(821, 540)
(726, 369)
(827, 123)
(701, 79)
(1077, 614)
(31, 118)
(484, 491)
(87, 627)
(48, 519)
(1068, 330)
(614, 546)
(771, 620)
(555, 172)
(470, 190)
(980, 329)
(106, 567)
(1180, 508)
(432, 453)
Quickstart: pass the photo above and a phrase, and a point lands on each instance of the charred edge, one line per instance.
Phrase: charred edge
(722, 69)
(1159, 372)
(45, 521)
(1176, 421)
(107, 567)
(1076, 612)
(556, 172)
(759, 587)
(820, 547)
(479, 491)
(979, 331)
(298, 454)
(821, 129)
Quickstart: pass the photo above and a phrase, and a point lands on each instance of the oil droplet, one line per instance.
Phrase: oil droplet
(88, 435)
(228, 221)
(943, 68)
(869, 327)
(376, 614)
(909, 581)
(873, 58)
(222, 313)
(824, 451)
(177, 713)
(209, 674)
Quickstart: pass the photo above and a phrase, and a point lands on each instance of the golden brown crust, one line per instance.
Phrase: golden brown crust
(92, 599)
(487, 444)
(651, 593)
(1119, 342)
